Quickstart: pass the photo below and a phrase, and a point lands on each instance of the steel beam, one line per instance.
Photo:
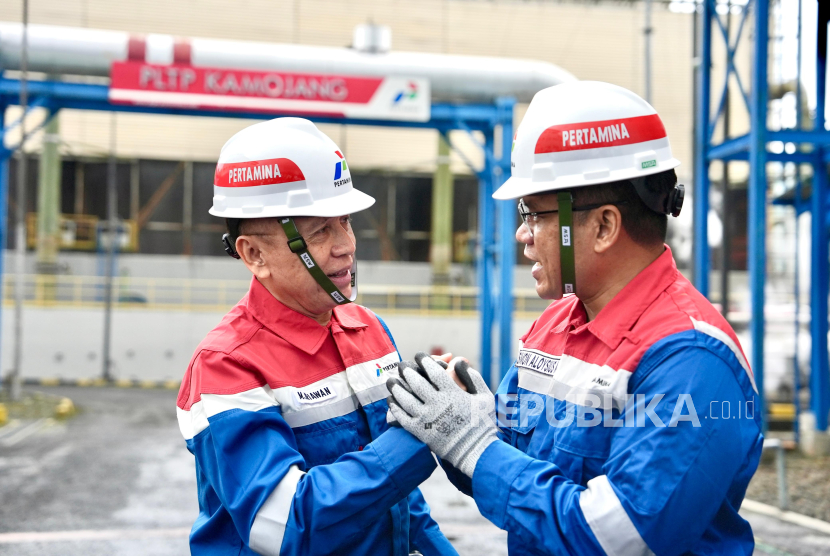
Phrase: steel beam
(5, 155)
(702, 142)
(757, 212)
(85, 96)
(506, 242)
(819, 271)
(728, 149)
(814, 136)
(484, 262)
(819, 275)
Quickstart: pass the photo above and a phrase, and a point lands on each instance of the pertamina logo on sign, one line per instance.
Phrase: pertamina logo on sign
(274, 92)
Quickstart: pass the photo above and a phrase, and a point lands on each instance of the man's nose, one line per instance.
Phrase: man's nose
(344, 242)
(523, 234)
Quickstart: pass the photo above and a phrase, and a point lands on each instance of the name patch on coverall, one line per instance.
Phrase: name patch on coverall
(537, 361)
(315, 395)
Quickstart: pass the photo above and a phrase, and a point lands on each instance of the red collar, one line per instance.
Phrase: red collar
(615, 321)
(297, 329)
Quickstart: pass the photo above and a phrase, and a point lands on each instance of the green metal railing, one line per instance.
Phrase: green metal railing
(219, 295)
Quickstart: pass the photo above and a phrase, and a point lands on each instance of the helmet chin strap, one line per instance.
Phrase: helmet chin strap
(567, 264)
(298, 246)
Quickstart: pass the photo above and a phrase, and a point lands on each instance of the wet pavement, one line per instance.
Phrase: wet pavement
(117, 480)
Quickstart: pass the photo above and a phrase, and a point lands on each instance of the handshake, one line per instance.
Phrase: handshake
(456, 422)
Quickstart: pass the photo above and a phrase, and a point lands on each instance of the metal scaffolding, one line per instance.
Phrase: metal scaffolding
(496, 222)
(804, 147)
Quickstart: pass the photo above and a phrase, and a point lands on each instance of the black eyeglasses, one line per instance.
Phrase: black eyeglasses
(527, 215)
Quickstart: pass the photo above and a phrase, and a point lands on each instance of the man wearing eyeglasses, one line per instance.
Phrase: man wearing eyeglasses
(628, 424)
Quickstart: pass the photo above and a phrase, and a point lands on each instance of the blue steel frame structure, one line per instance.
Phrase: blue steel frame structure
(813, 147)
(497, 219)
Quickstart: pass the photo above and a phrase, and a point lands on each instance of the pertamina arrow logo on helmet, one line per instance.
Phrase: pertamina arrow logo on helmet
(339, 168)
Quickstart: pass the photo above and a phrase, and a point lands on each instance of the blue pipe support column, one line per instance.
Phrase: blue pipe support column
(701, 258)
(757, 211)
(5, 155)
(506, 242)
(797, 295)
(819, 271)
(484, 266)
(819, 383)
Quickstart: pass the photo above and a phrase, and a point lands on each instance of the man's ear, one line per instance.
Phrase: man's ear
(250, 251)
(608, 228)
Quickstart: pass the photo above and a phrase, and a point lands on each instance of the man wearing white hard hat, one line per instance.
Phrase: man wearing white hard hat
(628, 424)
(284, 402)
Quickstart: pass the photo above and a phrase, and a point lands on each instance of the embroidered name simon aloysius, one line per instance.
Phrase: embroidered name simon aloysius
(537, 361)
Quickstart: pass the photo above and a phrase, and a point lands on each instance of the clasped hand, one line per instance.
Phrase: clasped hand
(456, 425)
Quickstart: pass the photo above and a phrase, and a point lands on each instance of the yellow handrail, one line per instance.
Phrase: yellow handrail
(216, 294)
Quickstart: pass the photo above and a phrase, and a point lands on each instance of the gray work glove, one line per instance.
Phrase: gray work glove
(390, 419)
(456, 425)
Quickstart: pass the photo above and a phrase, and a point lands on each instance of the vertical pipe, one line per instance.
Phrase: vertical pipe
(20, 224)
(507, 243)
(819, 383)
(647, 54)
(49, 202)
(781, 467)
(5, 154)
(799, 125)
(819, 271)
(702, 140)
(79, 187)
(799, 117)
(440, 249)
(112, 234)
(484, 265)
(726, 242)
(797, 295)
(758, 195)
(135, 178)
(187, 208)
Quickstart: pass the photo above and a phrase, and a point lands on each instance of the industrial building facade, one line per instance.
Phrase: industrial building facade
(166, 162)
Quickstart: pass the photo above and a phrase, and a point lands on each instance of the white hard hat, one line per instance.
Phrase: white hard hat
(284, 167)
(584, 133)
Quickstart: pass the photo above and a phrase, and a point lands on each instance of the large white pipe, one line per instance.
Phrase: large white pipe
(80, 51)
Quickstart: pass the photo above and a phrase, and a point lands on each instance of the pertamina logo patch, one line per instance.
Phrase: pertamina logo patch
(339, 169)
(537, 361)
(380, 370)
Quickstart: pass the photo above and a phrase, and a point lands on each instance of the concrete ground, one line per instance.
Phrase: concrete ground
(117, 480)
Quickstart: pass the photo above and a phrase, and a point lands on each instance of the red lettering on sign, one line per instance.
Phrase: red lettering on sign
(607, 133)
(257, 172)
(178, 78)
